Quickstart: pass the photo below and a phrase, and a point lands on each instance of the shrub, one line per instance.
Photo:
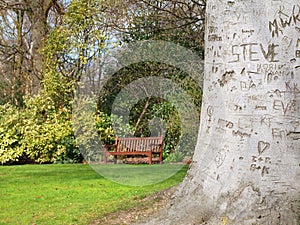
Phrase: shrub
(39, 131)
(10, 134)
(174, 157)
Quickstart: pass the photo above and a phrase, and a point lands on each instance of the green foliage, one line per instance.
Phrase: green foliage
(107, 126)
(174, 157)
(38, 132)
(46, 129)
(160, 20)
(42, 130)
(10, 133)
(173, 134)
(104, 128)
(179, 22)
(72, 46)
(94, 128)
(145, 110)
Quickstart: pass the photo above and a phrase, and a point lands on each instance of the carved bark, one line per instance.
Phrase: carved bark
(246, 167)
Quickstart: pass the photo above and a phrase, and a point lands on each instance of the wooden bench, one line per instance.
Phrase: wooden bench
(147, 146)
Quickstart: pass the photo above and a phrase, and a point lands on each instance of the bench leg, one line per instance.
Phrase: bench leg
(105, 157)
(115, 159)
(160, 157)
(150, 158)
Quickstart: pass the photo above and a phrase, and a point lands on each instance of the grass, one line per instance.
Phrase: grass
(67, 194)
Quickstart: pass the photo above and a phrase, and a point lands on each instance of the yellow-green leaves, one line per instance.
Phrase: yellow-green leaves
(39, 131)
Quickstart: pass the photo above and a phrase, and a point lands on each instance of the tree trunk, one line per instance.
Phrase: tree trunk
(246, 167)
(38, 19)
(24, 29)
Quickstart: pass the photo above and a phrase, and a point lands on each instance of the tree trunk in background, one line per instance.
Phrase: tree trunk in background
(37, 12)
(24, 28)
(246, 165)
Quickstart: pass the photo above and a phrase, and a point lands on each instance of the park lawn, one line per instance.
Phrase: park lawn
(66, 194)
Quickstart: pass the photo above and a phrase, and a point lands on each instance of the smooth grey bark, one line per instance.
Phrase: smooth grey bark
(246, 166)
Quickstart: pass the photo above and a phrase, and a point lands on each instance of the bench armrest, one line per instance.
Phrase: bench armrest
(106, 147)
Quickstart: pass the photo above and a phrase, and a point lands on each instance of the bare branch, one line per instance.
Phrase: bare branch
(12, 5)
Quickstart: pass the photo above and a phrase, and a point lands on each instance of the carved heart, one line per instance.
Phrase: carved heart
(263, 146)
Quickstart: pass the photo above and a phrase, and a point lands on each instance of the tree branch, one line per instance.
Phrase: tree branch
(13, 5)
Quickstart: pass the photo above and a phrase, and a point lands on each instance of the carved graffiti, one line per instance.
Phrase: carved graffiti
(294, 135)
(237, 107)
(264, 169)
(272, 72)
(225, 123)
(249, 32)
(221, 155)
(262, 121)
(268, 67)
(240, 134)
(226, 77)
(212, 29)
(262, 164)
(262, 146)
(284, 20)
(258, 70)
(270, 54)
(210, 111)
(278, 105)
(278, 133)
(261, 107)
(214, 37)
(214, 51)
(251, 51)
(287, 42)
(246, 86)
(220, 158)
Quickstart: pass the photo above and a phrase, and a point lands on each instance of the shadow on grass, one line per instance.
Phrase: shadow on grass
(137, 175)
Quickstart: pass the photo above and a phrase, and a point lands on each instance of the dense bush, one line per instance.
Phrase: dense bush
(174, 157)
(10, 134)
(38, 132)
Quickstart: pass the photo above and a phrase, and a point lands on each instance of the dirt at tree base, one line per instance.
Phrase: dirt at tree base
(147, 207)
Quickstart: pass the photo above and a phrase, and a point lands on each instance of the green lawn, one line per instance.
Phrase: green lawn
(66, 194)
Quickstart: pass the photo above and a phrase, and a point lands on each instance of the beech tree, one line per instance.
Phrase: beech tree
(245, 169)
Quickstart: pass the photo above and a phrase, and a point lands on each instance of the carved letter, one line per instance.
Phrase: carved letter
(270, 55)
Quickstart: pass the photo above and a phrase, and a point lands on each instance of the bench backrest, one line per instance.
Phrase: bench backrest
(133, 144)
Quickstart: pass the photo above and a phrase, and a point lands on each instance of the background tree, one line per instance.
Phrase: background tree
(246, 165)
(179, 22)
(24, 27)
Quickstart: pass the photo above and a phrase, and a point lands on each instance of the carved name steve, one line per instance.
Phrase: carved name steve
(252, 52)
